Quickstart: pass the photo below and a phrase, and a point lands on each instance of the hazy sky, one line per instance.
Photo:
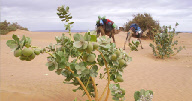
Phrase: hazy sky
(41, 14)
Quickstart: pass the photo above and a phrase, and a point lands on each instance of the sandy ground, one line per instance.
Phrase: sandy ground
(169, 79)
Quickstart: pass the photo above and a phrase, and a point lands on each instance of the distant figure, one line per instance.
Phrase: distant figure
(106, 27)
(107, 22)
(134, 28)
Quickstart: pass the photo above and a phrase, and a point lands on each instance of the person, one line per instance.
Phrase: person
(100, 21)
(136, 29)
(138, 32)
(103, 21)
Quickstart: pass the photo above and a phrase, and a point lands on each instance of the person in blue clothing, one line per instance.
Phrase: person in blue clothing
(138, 32)
(134, 27)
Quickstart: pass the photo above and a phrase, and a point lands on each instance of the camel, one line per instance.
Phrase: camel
(129, 35)
(111, 33)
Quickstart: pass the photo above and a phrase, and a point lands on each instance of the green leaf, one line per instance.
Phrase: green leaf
(49, 64)
(51, 68)
(85, 72)
(72, 66)
(77, 44)
(93, 38)
(60, 53)
(137, 95)
(106, 46)
(61, 16)
(63, 19)
(111, 86)
(61, 65)
(12, 44)
(70, 17)
(79, 68)
(67, 8)
(78, 37)
(87, 37)
(147, 93)
(65, 73)
(75, 97)
(28, 40)
(85, 44)
(93, 73)
(150, 91)
(58, 71)
(76, 74)
(142, 91)
(95, 67)
(58, 58)
(15, 37)
(176, 24)
(115, 98)
(23, 38)
(71, 23)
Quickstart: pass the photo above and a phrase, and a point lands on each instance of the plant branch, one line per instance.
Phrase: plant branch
(50, 54)
(78, 79)
(108, 76)
(103, 93)
(95, 87)
(108, 91)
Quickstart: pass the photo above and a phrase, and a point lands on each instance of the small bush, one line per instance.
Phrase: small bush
(86, 63)
(6, 27)
(164, 43)
(134, 45)
(143, 95)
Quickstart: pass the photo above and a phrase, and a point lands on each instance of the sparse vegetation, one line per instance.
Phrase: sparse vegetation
(143, 95)
(134, 45)
(6, 27)
(89, 54)
(164, 42)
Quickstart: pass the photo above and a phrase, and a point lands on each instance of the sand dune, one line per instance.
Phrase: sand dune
(170, 79)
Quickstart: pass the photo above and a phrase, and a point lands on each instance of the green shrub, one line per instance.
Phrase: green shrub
(164, 44)
(6, 27)
(143, 95)
(134, 45)
(89, 54)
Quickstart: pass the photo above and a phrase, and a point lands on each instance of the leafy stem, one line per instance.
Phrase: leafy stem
(50, 53)
(94, 85)
(103, 93)
(84, 88)
(108, 76)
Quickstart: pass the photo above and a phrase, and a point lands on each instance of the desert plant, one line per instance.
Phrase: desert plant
(83, 69)
(164, 44)
(6, 27)
(65, 16)
(145, 21)
(89, 54)
(143, 95)
(117, 92)
(134, 45)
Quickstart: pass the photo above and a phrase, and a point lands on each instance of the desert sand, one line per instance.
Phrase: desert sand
(170, 79)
